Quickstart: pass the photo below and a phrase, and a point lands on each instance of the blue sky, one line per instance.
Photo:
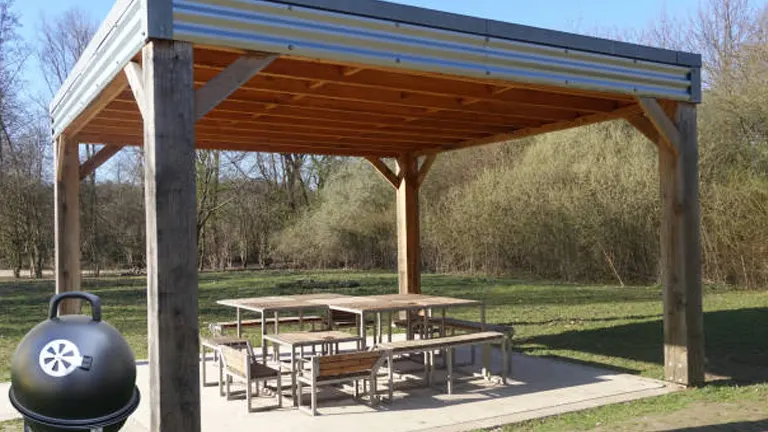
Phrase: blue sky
(582, 16)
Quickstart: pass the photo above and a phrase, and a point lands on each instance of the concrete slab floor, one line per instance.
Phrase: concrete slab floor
(539, 387)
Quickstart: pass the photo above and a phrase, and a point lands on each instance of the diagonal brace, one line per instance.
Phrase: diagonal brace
(384, 170)
(663, 124)
(228, 81)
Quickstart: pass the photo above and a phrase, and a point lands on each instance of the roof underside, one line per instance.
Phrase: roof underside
(355, 85)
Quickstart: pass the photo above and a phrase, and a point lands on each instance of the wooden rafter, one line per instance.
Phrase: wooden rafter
(385, 172)
(262, 87)
(110, 93)
(98, 160)
(661, 121)
(228, 81)
(552, 127)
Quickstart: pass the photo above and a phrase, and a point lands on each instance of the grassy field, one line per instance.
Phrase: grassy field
(608, 326)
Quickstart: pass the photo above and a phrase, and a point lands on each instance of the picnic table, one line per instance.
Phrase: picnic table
(297, 341)
(277, 305)
(391, 303)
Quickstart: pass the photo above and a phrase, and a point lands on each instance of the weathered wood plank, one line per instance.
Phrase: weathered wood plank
(661, 121)
(408, 230)
(169, 148)
(98, 160)
(384, 170)
(67, 221)
(645, 127)
(681, 255)
(228, 81)
(135, 77)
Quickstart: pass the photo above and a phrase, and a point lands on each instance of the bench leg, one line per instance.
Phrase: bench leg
(202, 354)
(504, 361)
(248, 390)
(391, 376)
(449, 362)
(313, 398)
(280, 389)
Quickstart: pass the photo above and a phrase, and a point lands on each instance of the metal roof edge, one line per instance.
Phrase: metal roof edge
(463, 23)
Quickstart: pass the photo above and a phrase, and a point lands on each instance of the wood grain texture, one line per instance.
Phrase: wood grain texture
(67, 223)
(681, 255)
(429, 160)
(169, 148)
(408, 229)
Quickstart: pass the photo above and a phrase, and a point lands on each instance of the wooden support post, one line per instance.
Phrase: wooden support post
(408, 231)
(681, 254)
(67, 221)
(169, 148)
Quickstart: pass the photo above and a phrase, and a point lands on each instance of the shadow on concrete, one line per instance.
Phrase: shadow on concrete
(744, 426)
(736, 343)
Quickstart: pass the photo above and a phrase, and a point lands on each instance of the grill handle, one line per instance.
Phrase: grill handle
(92, 299)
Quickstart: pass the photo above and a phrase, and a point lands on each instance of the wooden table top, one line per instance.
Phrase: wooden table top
(395, 302)
(282, 303)
(311, 338)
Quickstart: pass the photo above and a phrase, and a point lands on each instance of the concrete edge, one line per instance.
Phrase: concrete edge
(502, 420)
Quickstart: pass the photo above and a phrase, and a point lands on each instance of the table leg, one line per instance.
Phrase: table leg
(449, 366)
(389, 327)
(378, 332)
(239, 323)
(391, 375)
(301, 320)
(264, 350)
(277, 322)
(363, 330)
(293, 376)
(486, 349)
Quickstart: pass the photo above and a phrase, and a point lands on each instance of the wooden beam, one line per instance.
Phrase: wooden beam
(110, 93)
(408, 230)
(681, 255)
(98, 160)
(644, 126)
(67, 224)
(429, 160)
(551, 127)
(170, 203)
(135, 78)
(661, 122)
(228, 81)
(385, 172)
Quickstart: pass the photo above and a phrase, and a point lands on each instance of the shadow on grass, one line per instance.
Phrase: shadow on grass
(735, 343)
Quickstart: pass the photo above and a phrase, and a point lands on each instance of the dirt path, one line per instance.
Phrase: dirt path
(702, 417)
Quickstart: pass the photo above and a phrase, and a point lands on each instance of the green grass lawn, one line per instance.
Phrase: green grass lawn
(609, 326)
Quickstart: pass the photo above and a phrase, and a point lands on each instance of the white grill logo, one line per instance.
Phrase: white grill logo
(59, 358)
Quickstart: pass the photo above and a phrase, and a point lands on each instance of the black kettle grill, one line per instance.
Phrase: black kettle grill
(74, 373)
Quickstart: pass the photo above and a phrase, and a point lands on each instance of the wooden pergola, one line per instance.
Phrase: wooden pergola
(355, 78)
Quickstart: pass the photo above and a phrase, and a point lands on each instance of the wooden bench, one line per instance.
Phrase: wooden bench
(242, 364)
(217, 328)
(447, 344)
(435, 323)
(338, 368)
